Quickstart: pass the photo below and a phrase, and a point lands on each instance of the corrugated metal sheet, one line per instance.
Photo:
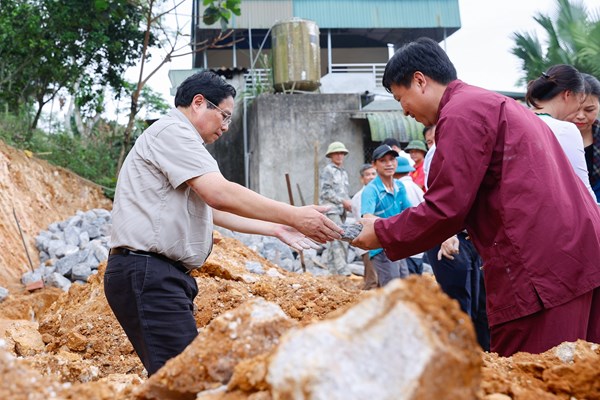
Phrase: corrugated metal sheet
(394, 124)
(380, 13)
(367, 14)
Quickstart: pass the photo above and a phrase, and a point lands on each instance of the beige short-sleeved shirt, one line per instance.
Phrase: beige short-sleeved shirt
(154, 209)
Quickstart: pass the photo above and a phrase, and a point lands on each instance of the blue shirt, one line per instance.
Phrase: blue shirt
(377, 200)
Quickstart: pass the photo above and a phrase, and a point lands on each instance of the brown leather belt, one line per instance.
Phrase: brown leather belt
(122, 251)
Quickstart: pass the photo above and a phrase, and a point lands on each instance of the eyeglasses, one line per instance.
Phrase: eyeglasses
(226, 116)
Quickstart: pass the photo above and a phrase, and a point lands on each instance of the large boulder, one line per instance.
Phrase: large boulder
(405, 341)
(208, 362)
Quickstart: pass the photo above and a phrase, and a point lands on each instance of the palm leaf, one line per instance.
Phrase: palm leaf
(573, 37)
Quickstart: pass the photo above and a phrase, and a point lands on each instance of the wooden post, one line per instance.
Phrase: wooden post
(300, 194)
(316, 169)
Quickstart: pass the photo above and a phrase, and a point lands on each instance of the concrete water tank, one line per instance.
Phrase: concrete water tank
(296, 55)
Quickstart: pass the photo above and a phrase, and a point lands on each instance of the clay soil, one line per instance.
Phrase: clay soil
(84, 354)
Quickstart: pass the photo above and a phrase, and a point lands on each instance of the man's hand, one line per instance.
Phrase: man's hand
(310, 221)
(367, 239)
(448, 248)
(294, 239)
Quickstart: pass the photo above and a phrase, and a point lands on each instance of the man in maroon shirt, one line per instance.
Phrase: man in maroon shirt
(499, 172)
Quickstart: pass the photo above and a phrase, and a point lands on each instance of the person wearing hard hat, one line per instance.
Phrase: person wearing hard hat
(334, 192)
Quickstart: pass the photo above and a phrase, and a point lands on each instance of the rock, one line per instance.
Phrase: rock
(58, 280)
(3, 293)
(76, 341)
(65, 265)
(72, 235)
(74, 221)
(53, 245)
(497, 396)
(92, 230)
(99, 251)
(23, 336)
(84, 239)
(208, 362)
(81, 272)
(274, 273)
(255, 267)
(275, 250)
(404, 341)
(357, 268)
(66, 250)
(30, 277)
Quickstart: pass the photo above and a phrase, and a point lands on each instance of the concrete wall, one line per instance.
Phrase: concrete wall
(283, 130)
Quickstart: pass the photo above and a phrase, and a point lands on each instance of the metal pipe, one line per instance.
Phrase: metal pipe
(329, 56)
(245, 136)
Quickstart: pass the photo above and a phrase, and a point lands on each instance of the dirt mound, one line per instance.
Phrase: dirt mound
(39, 193)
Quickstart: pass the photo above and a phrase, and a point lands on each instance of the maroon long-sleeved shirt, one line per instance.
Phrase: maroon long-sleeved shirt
(499, 171)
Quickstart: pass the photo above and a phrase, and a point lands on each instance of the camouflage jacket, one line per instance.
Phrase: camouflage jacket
(334, 188)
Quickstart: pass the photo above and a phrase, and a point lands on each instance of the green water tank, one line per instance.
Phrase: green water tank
(296, 55)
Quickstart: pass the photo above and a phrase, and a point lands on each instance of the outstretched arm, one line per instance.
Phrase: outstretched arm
(286, 234)
(223, 195)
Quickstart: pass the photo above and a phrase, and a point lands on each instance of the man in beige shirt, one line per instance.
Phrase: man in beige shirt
(169, 194)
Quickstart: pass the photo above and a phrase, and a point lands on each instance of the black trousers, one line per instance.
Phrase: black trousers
(153, 302)
(462, 280)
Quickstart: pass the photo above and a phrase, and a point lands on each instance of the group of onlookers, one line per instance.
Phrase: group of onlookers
(503, 184)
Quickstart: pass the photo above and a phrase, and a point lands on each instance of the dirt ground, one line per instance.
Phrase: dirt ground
(69, 346)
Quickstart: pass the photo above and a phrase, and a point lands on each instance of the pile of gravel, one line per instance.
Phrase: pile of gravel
(282, 255)
(71, 250)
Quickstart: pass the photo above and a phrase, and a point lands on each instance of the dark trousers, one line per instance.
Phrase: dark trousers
(462, 280)
(536, 333)
(415, 265)
(153, 302)
(387, 269)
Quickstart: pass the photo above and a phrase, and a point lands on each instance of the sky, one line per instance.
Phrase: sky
(480, 49)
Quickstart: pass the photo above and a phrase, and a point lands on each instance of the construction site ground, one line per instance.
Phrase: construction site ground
(84, 354)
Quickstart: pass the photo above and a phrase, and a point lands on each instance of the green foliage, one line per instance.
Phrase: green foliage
(220, 10)
(56, 44)
(94, 157)
(573, 37)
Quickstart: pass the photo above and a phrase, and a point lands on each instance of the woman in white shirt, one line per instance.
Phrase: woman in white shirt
(554, 96)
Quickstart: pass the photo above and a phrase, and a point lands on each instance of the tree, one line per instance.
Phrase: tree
(60, 44)
(169, 42)
(573, 38)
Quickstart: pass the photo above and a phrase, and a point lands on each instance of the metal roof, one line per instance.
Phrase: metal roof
(369, 14)
(352, 23)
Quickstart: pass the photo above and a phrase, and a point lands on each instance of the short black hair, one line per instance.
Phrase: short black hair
(207, 83)
(391, 142)
(592, 85)
(555, 80)
(425, 55)
(427, 129)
